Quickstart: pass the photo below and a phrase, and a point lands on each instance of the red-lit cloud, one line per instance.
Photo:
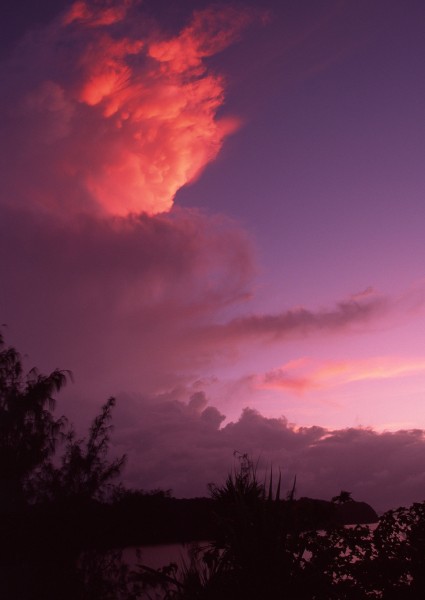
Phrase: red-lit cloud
(211, 31)
(96, 14)
(111, 116)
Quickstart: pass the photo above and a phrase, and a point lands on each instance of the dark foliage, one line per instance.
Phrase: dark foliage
(85, 472)
(28, 430)
(49, 521)
(269, 548)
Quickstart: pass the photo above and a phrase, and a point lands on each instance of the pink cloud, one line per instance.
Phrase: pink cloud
(126, 303)
(306, 374)
(131, 118)
(119, 116)
(114, 299)
(352, 314)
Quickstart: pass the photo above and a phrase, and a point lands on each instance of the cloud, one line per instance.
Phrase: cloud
(104, 117)
(348, 315)
(306, 374)
(110, 116)
(136, 303)
(210, 32)
(95, 14)
(113, 299)
(172, 443)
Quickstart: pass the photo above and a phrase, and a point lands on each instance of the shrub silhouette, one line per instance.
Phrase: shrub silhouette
(263, 550)
(258, 550)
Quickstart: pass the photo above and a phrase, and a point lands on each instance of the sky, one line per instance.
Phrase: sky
(214, 213)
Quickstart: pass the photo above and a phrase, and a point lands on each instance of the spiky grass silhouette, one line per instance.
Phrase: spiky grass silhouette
(257, 551)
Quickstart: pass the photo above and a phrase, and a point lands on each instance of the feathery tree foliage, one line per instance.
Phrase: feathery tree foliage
(28, 430)
(343, 497)
(49, 520)
(85, 471)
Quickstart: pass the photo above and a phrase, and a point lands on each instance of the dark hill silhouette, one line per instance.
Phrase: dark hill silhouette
(354, 513)
(322, 513)
(140, 518)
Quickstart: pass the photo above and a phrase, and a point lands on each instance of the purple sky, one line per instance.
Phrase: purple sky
(215, 214)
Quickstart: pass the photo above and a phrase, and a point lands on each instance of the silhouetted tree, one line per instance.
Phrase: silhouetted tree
(28, 429)
(53, 535)
(71, 493)
(85, 471)
(258, 549)
(342, 497)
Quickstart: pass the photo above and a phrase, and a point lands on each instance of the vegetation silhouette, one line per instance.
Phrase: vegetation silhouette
(267, 549)
(264, 548)
(28, 430)
(342, 497)
(50, 519)
(63, 521)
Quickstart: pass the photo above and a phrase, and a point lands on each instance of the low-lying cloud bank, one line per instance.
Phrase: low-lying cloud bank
(181, 446)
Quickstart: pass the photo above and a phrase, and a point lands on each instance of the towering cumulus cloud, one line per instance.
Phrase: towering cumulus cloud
(106, 114)
(103, 118)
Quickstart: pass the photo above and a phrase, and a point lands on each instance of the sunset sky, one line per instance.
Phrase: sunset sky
(215, 213)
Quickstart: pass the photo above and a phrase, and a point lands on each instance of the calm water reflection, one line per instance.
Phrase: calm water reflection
(158, 555)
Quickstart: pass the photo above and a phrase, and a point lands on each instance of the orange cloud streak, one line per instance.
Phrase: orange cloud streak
(304, 374)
